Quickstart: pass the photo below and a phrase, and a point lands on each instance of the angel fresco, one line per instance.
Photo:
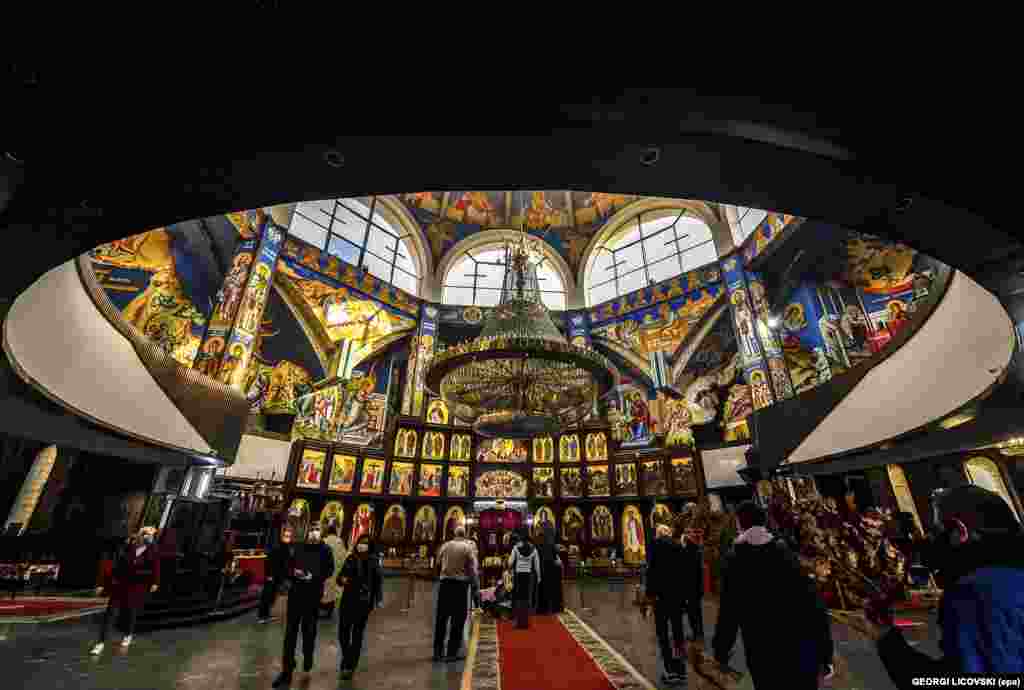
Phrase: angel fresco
(633, 540)
(455, 517)
(602, 526)
(362, 522)
(393, 529)
(424, 525)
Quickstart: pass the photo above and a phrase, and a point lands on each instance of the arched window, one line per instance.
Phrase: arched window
(477, 276)
(654, 246)
(358, 232)
(747, 220)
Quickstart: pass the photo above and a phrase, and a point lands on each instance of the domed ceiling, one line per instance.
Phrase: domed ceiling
(566, 220)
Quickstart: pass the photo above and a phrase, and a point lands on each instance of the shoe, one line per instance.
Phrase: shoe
(346, 674)
(126, 641)
(307, 665)
(673, 680)
(282, 680)
(97, 649)
(452, 658)
(437, 658)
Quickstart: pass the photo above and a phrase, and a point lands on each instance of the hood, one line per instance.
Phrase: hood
(525, 548)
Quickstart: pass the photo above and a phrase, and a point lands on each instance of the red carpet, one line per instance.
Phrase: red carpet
(26, 607)
(546, 656)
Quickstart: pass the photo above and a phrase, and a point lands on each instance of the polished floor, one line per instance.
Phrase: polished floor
(241, 654)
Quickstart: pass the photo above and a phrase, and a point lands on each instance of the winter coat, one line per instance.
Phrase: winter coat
(524, 559)
(668, 573)
(133, 575)
(785, 625)
(361, 581)
(317, 560)
(693, 563)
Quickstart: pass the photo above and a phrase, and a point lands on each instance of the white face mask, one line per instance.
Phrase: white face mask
(314, 537)
(147, 538)
(363, 548)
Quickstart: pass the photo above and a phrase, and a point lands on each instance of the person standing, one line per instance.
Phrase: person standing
(786, 629)
(525, 566)
(457, 570)
(331, 588)
(693, 584)
(135, 574)
(362, 590)
(667, 586)
(546, 601)
(307, 570)
(277, 573)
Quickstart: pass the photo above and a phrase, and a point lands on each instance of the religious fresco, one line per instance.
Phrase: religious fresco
(274, 389)
(543, 449)
(424, 525)
(597, 446)
(543, 518)
(686, 294)
(430, 480)
(653, 478)
(421, 354)
(311, 469)
(572, 482)
(635, 426)
(392, 529)
(658, 328)
(572, 525)
(332, 514)
(738, 405)
(437, 412)
(458, 481)
(405, 443)
(343, 473)
(455, 517)
(461, 447)
(625, 479)
(501, 484)
(661, 514)
(634, 549)
(598, 482)
(401, 478)
(433, 445)
(140, 276)
(569, 448)
(766, 232)
(298, 518)
(373, 476)
(602, 525)
(343, 411)
(362, 523)
(544, 482)
(501, 450)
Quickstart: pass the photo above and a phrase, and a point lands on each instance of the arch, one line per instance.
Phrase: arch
(395, 211)
(984, 472)
(500, 236)
(708, 213)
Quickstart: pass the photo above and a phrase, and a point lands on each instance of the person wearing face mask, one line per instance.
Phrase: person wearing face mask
(977, 554)
(135, 574)
(362, 590)
(277, 573)
(311, 564)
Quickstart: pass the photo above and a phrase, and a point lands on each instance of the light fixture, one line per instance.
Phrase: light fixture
(520, 377)
(773, 322)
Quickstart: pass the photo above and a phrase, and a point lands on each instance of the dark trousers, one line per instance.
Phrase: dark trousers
(351, 626)
(126, 620)
(522, 593)
(695, 612)
(666, 612)
(267, 597)
(302, 612)
(452, 603)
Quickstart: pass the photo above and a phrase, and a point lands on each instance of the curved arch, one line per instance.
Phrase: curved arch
(702, 210)
(503, 236)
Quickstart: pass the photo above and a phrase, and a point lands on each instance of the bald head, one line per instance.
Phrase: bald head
(460, 532)
(664, 531)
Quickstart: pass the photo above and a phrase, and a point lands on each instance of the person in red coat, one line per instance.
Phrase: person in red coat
(135, 574)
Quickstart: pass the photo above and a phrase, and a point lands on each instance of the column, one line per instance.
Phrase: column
(421, 355)
(768, 337)
(32, 488)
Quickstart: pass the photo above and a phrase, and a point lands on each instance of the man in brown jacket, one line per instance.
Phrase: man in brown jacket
(457, 569)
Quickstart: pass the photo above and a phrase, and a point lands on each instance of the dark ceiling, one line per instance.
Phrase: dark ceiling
(131, 157)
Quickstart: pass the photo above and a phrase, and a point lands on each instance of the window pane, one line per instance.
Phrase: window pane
(489, 276)
(632, 257)
(750, 220)
(317, 211)
(602, 267)
(699, 256)
(487, 297)
(460, 274)
(548, 278)
(308, 231)
(655, 248)
(602, 293)
(553, 300)
(377, 267)
(404, 258)
(630, 233)
(346, 251)
(664, 269)
(348, 225)
(632, 281)
(406, 281)
(691, 232)
(458, 295)
(381, 244)
(650, 225)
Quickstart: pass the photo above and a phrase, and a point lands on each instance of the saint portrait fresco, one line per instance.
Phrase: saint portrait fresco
(569, 448)
(544, 482)
(424, 525)
(461, 445)
(343, 473)
(598, 483)
(597, 446)
(602, 525)
(393, 527)
(332, 514)
(405, 443)
(458, 480)
(634, 549)
(654, 478)
(543, 449)
(501, 484)
(298, 518)
(433, 445)
(373, 476)
(501, 450)
(401, 478)
(437, 412)
(572, 525)
(452, 519)
(684, 478)
(362, 522)
(572, 482)
(542, 519)
(430, 480)
(625, 479)
(661, 515)
(311, 469)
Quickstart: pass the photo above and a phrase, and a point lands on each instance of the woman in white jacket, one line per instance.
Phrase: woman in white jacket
(525, 566)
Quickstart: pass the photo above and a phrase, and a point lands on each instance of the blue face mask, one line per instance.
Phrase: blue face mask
(147, 538)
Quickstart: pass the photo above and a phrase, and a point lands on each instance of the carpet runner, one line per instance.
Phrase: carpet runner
(558, 652)
(44, 609)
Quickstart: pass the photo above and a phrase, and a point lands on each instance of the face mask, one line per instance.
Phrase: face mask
(147, 538)
(314, 536)
(363, 548)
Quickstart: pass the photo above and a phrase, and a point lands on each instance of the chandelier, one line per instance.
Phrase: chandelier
(520, 378)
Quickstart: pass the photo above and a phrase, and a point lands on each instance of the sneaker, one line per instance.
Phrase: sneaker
(282, 680)
(126, 641)
(97, 649)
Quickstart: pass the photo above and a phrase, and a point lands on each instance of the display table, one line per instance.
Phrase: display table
(16, 576)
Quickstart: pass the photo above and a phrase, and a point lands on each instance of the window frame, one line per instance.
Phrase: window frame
(472, 255)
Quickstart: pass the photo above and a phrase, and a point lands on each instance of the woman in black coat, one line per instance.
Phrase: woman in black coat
(362, 591)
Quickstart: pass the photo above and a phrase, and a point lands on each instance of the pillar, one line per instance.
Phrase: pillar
(32, 488)
(421, 355)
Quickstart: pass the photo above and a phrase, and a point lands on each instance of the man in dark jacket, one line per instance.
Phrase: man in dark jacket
(276, 573)
(667, 585)
(693, 580)
(978, 555)
(786, 629)
(310, 565)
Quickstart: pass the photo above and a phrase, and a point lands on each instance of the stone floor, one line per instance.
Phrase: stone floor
(240, 654)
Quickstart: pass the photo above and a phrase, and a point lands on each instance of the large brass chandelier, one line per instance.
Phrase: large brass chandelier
(520, 377)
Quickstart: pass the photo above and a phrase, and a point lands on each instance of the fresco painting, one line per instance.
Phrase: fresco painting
(332, 514)
(461, 447)
(373, 476)
(458, 481)
(424, 525)
(437, 412)
(542, 519)
(598, 481)
(430, 480)
(501, 450)
(433, 445)
(343, 411)
(392, 529)
(405, 443)
(362, 522)
(569, 448)
(571, 482)
(343, 473)
(401, 478)
(654, 478)
(684, 475)
(602, 525)
(597, 446)
(634, 550)
(455, 517)
(625, 479)
(543, 449)
(573, 525)
(501, 484)
(311, 469)
(544, 482)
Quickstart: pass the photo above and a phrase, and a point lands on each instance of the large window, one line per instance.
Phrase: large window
(747, 221)
(654, 246)
(477, 276)
(355, 231)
